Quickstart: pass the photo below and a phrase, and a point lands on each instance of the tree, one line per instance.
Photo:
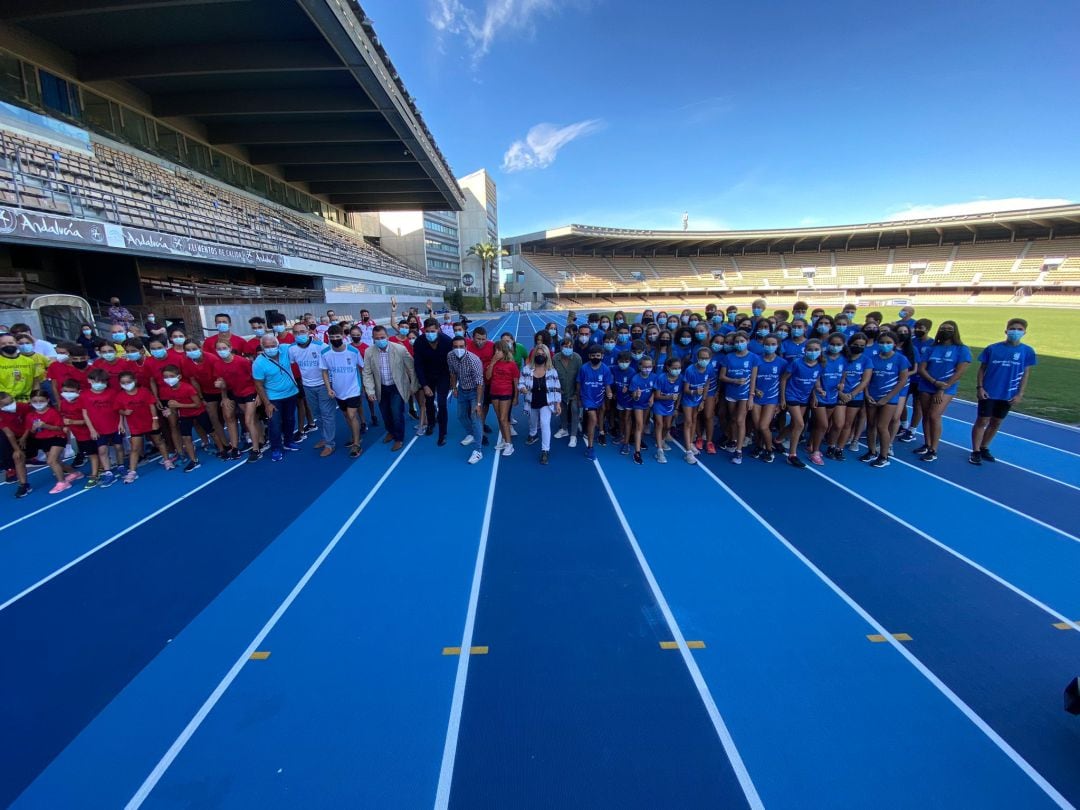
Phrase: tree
(488, 254)
(456, 299)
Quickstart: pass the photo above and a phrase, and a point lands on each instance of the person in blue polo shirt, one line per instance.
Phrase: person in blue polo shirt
(665, 401)
(767, 395)
(1004, 370)
(941, 365)
(738, 372)
(621, 373)
(800, 384)
(887, 375)
(851, 396)
(641, 392)
(594, 383)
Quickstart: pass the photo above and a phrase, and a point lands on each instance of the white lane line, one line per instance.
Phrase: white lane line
(1014, 466)
(988, 499)
(1032, 417)
(114, 538)
(1020, 438)
(737, 764)
(880, 629)
(915, 529)
(178, 744)
(45, 508)
(453, 726)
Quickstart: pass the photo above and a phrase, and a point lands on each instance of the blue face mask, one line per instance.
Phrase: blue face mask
(731, 316)
(693, 322)
(762, 333)
(717, 320)
(740, 346)
(717, 347)
(26, 348)
(619, 321)
(223, 327)
(431, 336)
(758, 312)
(279, 328)
(685, 341)
(158, 353)
(224, 353)
(381, 343)
(835, 349)
(118, 336)
(605, 326)
(1015, 335)
(812, 354)
(903, 314)
(673, 372)
(179, 340)
(769, 349)
(403, 332)
(645, 372)
(623, 339)
(609, 347)
(624, 366)
(133, 356)
(567, 351)
(258, 332)
(823, 329)
(672, 324)
(271, 351)
(458, 333)
(583, 339)
(552, 332)
(728, 347)
(108, 356)
(703, 362)
(797, 331)
(885, 348)
(303, 340)
(636, 355)
(195, 354)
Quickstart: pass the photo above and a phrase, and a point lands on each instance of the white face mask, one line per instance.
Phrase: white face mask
(128, 386)
(62, 358)
(9, 408)
(459, 353)
(70, 396)
(39, 406)
(173, 381)
(99, 386)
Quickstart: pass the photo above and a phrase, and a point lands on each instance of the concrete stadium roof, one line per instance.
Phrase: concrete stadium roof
(1033, 223)
(299, 84)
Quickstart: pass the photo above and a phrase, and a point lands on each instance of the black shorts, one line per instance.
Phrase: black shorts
(243, 400)
(802, 404)
(211, 397)
(147, 435)
(106, 439)
(826, 405)
(855, 403)
(351, 402)
(33, 444)
(86, 446)
(994, 408)
(500, 397)
(6, 452)
(186, 423)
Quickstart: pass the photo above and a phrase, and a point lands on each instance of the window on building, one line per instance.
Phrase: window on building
(133, 127)
(198, 155)
(99, 112)
(439, 227)
(442, 247)
(167, 141)
(12, 81)
(56, 94)
(441, 264)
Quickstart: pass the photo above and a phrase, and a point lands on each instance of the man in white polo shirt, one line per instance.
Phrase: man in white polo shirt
(305, 351)
(340, 365)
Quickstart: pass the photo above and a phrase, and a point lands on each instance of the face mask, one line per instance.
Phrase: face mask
(172, 381)
(118, 336)
(758, 312)
(740, 346)
(272, 351)
(945, 335)
(672, 324)
(224, 353)
(604, 326)
(431, 336)
(179, 340)
(717, 347)
(902, 314)
(856, 349)
(769, 349)
(783, 335)
(693, 322)
(381, 343)
(337, 341)
(673, 372)
(412, 341)
(1015, 335)
(646, 371)
(195, 354)
(459, 353)
(871, 330)
(849, 315)
(636, 355)
(151, 318)
(595, 360)
(158, 353)
(98, 387)
(609, 347)
(223, 327)
(334, 323)
(799, 316)
(134, 356)
(79, 363)
(279, 328)
(303, 340)
(553, 332)
(402, 332)
(39, 406)
(663, 342)
(700, 336)
(62, 358)
(797, 331)
(70, 396)
(835, 349)
(762, 332)
(886, 348)
(128, 386)
(619, 321)
(9, 408)
(624, 366)
(624, 339)
(539, 359)
(717, 320)
(729, 347)
(651, 338)
(458, 333)
(703, 362)
(823, 329)
(583, 339)
(87, 332)
(258, 332)
(812, 354)
(26, 348)
(920, 333)
(732, 316)
(593, 325)
(685, 341)
(567, 351)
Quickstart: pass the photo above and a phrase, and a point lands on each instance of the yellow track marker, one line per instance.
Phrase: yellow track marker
(482, 650)
(1065, 625)
(877, 638)
(671, 645)
(260, 656)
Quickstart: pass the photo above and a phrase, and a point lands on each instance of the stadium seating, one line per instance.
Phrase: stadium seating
(119, 186)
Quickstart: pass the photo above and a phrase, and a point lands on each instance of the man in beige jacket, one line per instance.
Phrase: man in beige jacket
(389, 379)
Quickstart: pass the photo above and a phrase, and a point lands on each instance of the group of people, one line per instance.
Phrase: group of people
(728, 380)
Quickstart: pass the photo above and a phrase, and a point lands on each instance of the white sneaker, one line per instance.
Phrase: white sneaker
(512, 431)
(475, 457)
(420, 430)
(694, 450)
(660, 457)
(690, 458)
(508, 450)
(573, 441)
(561, 433)
(513, 420)
(499, 445)
(665, 446)
(467, 441)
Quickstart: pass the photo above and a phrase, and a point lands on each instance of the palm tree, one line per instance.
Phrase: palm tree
(488, 254)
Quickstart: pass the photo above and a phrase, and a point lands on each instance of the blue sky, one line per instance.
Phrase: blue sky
(746, 114)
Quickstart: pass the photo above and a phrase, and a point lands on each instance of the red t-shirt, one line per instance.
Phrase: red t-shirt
(404, 342)
(204, 372)
(251, 347)
(74, 410)
(143, 372)
(140, 420)
(185, 392)
(101, 408)
(176, 355)
(116, 368)
(504, 377)
(14, 421)
(239, 345)
(485, 353)
(154, 367)
(49, 416)
(60, 373)
(237, 376)
(285, 337)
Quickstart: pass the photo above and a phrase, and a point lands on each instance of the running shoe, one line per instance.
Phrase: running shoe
(561, 433)
(130, 477)
(191, 466)
(355, 451)
(768, 456)
(533, 439)
(500, 444)
(699, 442)
(234, 454)
(23, 490)
(108, 479)
(660, 457)
(79, 460)
(90, 482)
(590, 454)
(731, 446)
(292, 447)
(839, 455)
(928, 456)
(513, 430)
(920, 450)
(710, 448)
(253, 456)
(624, 450)
(222, 454)
(815, 458)
(830, 452)
(736, 457)
(796, 462)
(467, 440)
(543, 456)
(74, 476)
(637, 457)
(508, 449)
(601, 440)
(59, 486)
(475, 456)
(120, 470)
(363, 428)
(689, 458)
(906, 435)
(277, 455)
(987, 455)
(975, 458)
(868, 456)
(880, 461)
(573, 441)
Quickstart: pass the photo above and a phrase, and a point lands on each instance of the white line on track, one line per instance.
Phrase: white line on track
(1016, 466)
(453, 727)
(737, 764)
(115, 537)
(879, 628)
(178, 744)
(1033, 418)
(1021, 438)
(44, 508)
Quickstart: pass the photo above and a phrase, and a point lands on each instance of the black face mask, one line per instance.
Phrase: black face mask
(855, 349)
(664, 342)
(540, 359)
(595, 360)
(871, 330)
(10, 351)
(920, 333)
(336, 341)
(356, 338)
(79, 363)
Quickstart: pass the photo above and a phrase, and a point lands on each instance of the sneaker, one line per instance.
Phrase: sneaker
(660, 457)
(363, 428)
(573, 441)
(689, 458)
(920, 450)
(277, 455)
(130, 477)
(757, 452)
(79, 460)
(467, 440)
(299, 437)
(253, 456)
(561, 433)
(815, 458)
(929, 455)
(59, 486)
(987, 455)
(420, 430)
(664, 446)
(191, 466)
(710, 448)
(513, 431)
(838, 455)
(543, 456)
(74, 476)
(121, 470)
(796, 462)
(10, 477)
(108, 479)
(768, 456)
(699, 443)
(222, 454)
(590, 454)
(602, 440)
(906, 435)
(695, 450)
(730, 446)
(624, 450)
(355, 451)
(880, 461)
(532, 439)
(291, 447)
(736, 457)
(637, 457)
(868, 456)
(975, 458)
(234, 454)
(500, 444)
(508, 450)
(475, 456)
(23, 490)
(90, 482)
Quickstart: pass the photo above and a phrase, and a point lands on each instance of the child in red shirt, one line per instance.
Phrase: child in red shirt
(235, 380)
(12, 416)
(200, 370)
(43, 429)
(139, 407)
(184, 400)
(103, 420)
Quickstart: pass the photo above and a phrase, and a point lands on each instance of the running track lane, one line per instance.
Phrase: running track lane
(80, 638)
(576, 704)
(794, 674)
(1049, 461)
(998, 652)
(1024, 426)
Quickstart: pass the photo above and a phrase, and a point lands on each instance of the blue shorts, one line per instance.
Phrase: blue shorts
(592, 406)
(665, 408)
(690, 401)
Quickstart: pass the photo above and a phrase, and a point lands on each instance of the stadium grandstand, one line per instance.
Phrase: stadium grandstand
(1029, 257)
(195, 157)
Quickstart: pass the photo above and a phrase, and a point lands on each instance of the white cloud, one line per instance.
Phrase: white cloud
(482, 29)
(974, 207)
(542, 144)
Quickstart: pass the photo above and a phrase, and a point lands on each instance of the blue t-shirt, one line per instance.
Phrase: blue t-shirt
(621, 382)
(832, 377)
(698, 380)
(739, 368)
(755, 346)
(277, 378)
(800, 385)
(1005, 364)
(853, 374)
(886, 375)
(666, 385)
(768, 379)
(790, 349)
(592, 383)
(941, 361)
(611, 358)
(682, 352)
(645, 386)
